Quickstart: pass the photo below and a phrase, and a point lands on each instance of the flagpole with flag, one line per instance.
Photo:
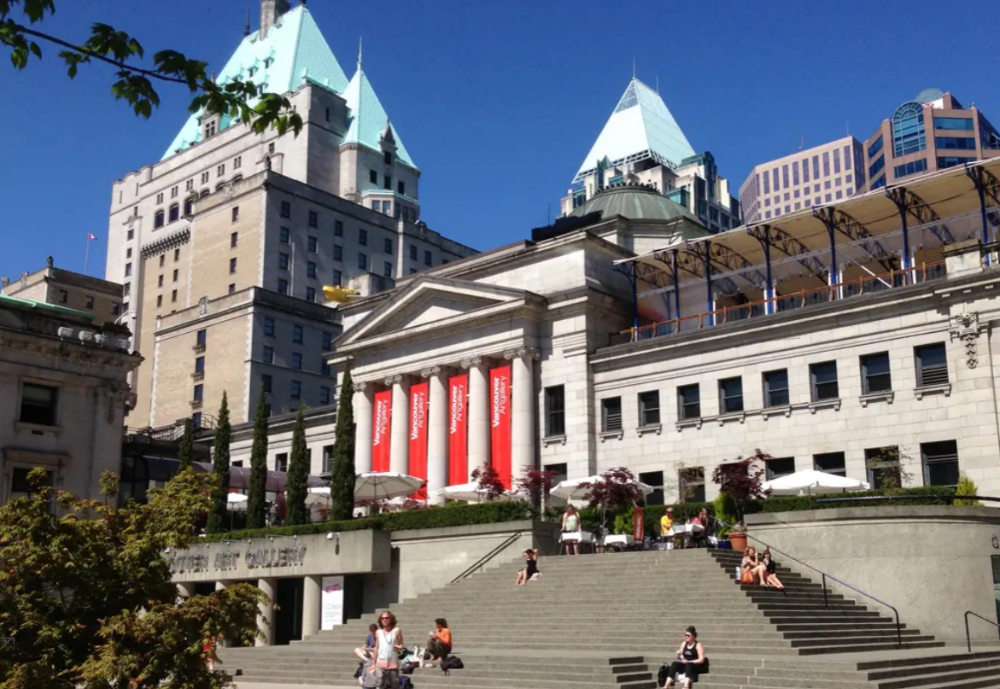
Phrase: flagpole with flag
(86, 253)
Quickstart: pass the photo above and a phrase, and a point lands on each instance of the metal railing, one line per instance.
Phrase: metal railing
(868, 284)
(488, 556)
(825, 576)
(968, 636)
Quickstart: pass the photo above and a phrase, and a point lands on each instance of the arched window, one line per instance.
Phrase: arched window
(205, 192)
(220, 186)
(189, 206)
(908, 129)
(158, 220)
(237, 178)
(174, 214)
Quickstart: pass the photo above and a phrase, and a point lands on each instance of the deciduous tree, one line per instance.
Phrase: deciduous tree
(742, 481)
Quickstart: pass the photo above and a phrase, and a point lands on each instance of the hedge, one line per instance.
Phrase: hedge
(429, 518)
(923, 495)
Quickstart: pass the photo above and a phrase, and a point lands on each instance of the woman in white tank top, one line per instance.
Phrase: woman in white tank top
(388, 644)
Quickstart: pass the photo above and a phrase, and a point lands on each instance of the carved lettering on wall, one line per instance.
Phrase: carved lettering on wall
(275, 557)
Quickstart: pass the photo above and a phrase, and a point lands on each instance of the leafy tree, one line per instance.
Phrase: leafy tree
(297, 481)
(886, 467)
(489, 481)
(342, 475)
(185, 453)
(742, 481)
(134, 79)
(220, 467)
(966, 486)
(257, 491)
(536, 485)
(616, 490)
(86, 599)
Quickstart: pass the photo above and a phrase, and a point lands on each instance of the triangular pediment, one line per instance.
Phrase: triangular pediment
(430, 302)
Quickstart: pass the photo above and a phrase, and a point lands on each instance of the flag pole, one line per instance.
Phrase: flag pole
(86, 255)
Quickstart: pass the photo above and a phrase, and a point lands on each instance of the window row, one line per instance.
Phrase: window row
(298, 334)
(295, 361)
(295, 389)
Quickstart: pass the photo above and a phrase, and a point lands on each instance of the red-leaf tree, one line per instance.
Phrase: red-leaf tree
(742, 481)
(617, 489)
(489, 482)
(536, 484)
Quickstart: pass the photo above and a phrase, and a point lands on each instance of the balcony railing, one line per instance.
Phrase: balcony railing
(868, 284)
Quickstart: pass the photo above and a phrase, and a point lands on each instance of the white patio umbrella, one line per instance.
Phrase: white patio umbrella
(573, 489)
(237, 502)
(384, 485)
(318, 497)
(812, 482)
(466, 492)
(404, 502)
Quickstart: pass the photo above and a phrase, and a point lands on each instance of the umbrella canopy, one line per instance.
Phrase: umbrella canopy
(236, 501)
(811, 481)
(466, 492)
(385, 485)
(405, 503)
(318, 497)
(574, 489)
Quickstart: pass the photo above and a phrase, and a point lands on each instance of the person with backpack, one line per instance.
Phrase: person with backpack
(439, 645)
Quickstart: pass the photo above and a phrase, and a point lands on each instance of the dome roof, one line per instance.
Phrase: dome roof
(635, 203)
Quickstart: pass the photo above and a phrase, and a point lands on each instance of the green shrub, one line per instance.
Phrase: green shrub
(905, 496)
(966, 486)
(430, 518)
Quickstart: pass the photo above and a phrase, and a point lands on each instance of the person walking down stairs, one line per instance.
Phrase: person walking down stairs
(690, 661)
(388, 644)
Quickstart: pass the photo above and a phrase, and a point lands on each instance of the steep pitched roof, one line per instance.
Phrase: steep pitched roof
(640, 127)
(293, 50)
(368, 119)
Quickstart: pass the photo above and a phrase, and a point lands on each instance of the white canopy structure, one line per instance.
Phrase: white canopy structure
(578, 488)
(467, 492)
(813, 482)
(385, 485)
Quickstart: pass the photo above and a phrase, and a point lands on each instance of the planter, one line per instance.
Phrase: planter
(738, 541)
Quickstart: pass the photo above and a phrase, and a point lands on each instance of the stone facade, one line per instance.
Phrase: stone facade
(52, 285)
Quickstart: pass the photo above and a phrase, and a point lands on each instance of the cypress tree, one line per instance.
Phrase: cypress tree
(186, 450)
(296, 484)
(342, 477)
(220, 466)
(257, 493)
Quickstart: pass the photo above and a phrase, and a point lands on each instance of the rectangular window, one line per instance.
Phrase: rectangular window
(653, 479)
(286, 235)
(847, 158)
(327, 459)
(283, 261)
(236, 213)
(688, 402)
(805, 170)
(388, 247)
(882, 464)
(932, 364)
(220, 170)
(373, 176)
(830, 463)
(363, 237)
(312, 244)
(338, 252)
(177, 274)
(313, 219)
(173, 295)
(824, 381)
(875, 373)
(281, 460)
(649, 408)
(961, 143)
(204, 178)
(39, 404)
(232, 266)
(64, 295)
(310, 294)
(776, 388)
(955, 123)
(555, 411)
(836, 161)
(731, 395)
(286, 209)
(911, 168)
(237, 162)
(268, 355)
(816, 166)
(692, 484)
(795, 174)
(946, 162)
(324, 395)
(266, 382)
(611, 414)
(875, 148)
(338, 228)
(363, 261)
(387, 269)
(297, 334)
(324, 368)
(940, 462)
(413, 252)
(826, 163)
(427, 258)
(234, 240)
(297, 360)
(387, 183)
(282, 286)
(269, 326)
(199, 393)
(338, 277)
(784, 176)
(232, 287)
(401, 188)
(199, 364)
(128, 272)
(778, 467)
(296, 390)
(327, 342)
(310, 269)
(201, 338)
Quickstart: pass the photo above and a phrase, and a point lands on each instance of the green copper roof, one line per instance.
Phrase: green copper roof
(640, 127)
(368, 119)
(636, 203)
(293, 50)
(55, 308)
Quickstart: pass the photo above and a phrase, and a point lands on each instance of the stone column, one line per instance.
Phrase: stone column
(522, 409)
(362, 427)
(265, 622)
(312, 595)
(399, 447)
(437, 433)
(479, 413)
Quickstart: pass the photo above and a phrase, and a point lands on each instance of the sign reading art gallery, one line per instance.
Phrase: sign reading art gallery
(458, 455)
(381, 425)
(500, 423)
(418, 434)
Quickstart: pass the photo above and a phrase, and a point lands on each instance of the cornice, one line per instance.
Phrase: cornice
(44, 346)
(167, 242)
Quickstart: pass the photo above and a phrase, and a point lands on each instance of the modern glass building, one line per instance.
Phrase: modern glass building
(931, 132)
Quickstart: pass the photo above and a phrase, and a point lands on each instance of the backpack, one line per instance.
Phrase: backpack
(405, 682)
(408, 667)
(451, 663)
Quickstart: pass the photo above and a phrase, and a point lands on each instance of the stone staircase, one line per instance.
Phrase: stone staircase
(603, 621)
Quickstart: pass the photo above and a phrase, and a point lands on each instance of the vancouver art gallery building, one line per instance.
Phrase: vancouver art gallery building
(628, 335)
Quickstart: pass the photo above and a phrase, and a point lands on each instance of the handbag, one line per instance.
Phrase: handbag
(746, 577)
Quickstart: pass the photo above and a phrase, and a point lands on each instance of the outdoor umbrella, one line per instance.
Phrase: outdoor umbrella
(318, 497)
(405, 503)
(465, 492)
(384, 485)
(572, 489)
(236, 501)
(811, 482)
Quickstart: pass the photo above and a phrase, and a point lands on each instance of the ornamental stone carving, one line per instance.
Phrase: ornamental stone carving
(966, 328)
(472, 362)
(522, 352)
(360, 386)
(392, 380)
(431, 372)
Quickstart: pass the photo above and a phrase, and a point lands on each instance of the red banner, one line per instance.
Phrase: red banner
(500, 423)
(458, 456)
(381, 425)
(418, 435)
(638, 524)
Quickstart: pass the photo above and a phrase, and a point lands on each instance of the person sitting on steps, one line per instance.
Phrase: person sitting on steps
(690, 660)
(530, 571)
(768, 577)
(439, 645)
(365, 652)
(751, 570)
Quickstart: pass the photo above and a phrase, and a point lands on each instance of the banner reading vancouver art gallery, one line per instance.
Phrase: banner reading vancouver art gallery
(458, 455)
(381, 425)
(500, 423)
(418, 434)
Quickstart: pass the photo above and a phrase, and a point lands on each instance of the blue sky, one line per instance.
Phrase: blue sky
(498, 103)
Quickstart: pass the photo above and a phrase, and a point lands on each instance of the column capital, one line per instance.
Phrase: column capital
(472, 361)
(522, 352)
(392, 380)
(430, 372)
(360, 386)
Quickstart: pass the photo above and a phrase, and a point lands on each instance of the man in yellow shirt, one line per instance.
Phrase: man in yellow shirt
(667, 522)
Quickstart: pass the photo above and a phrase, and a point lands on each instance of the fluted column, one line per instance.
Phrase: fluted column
(399, 447)
(362, 427)
(522, 409)
(437, 433)
(479, 413)
(265, 620)
(312, 594)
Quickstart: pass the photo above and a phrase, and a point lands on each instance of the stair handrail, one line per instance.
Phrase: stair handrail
(825, 576)
(488, 556)
(968, 636)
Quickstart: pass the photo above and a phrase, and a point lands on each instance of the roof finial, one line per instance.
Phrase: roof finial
(633, 68)
(359, 53)
(657, 83)
(246, 27)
